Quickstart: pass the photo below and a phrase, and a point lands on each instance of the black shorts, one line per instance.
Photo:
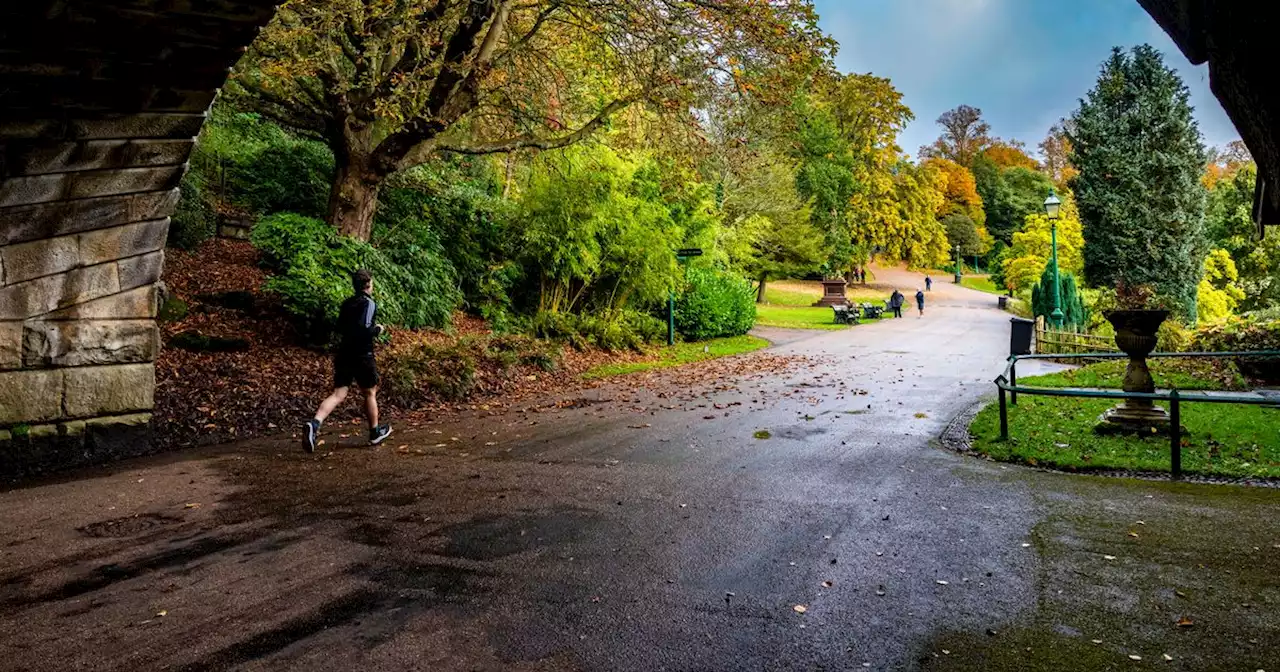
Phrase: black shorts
(362, 370)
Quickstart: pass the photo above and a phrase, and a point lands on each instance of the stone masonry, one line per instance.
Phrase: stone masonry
(100, 102)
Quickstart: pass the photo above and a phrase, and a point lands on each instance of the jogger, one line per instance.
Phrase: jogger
(354, 362)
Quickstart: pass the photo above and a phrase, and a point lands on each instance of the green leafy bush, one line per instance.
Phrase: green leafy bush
(615, 331)
(512, 349)
(1238, 334)
(715, 303)
(252, 163)
(413, 276)
(460, 199)
(285, 237)
(414, 284)
(194, 220)
(419, 371)
(288, 175)
(1173, 337)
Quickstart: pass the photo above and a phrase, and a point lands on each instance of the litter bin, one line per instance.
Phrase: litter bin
(1020, 332)
(1003, 302)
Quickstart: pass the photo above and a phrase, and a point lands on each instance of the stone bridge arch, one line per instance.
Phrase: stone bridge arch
(100, 102)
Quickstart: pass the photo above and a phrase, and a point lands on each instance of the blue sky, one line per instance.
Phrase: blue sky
(1025, 63)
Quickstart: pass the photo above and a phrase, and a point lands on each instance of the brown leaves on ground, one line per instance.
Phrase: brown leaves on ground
(214, 397)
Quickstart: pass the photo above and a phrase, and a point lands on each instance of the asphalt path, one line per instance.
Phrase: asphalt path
(789, 510)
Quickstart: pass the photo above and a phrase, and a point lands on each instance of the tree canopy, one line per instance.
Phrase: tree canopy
(1025, 260)
(390, 84)
(964, 135)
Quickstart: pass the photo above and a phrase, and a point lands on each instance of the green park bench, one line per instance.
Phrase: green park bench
(873, 311)
(846, 314)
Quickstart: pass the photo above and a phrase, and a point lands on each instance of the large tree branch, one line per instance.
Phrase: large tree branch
(529, 141)
(304, 117)
(442, 108)
(523, 40)
(411, 58)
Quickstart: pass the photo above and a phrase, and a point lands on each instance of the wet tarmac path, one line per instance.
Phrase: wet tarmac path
(791, 516)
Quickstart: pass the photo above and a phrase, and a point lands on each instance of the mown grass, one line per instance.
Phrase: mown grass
(795, 317)
(981, 283)
(805, 293)
(681, 353)
(1183, 374)
(1220, 439)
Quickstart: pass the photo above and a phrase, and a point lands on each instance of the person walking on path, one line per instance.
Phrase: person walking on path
(928, 284)
(353, 361)
(895, 303)
(920, 301)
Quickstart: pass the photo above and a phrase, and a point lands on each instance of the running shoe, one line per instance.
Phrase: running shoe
(313, 432)
(379, 434)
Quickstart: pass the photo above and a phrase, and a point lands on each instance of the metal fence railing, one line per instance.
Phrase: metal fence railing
(1007, 384)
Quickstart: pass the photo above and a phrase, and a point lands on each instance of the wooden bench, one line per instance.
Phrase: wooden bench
(872, 311)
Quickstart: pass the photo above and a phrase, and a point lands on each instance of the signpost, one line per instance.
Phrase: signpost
(681, 255)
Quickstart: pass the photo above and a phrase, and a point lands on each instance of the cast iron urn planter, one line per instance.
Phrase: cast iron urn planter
(1136, 337)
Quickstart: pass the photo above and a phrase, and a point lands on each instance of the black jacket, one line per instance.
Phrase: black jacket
(357, 327)
(896, 299)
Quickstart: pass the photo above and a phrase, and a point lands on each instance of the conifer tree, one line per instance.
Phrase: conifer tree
(1141, 200)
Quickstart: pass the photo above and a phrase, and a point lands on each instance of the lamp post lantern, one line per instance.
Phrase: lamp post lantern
(1052, 206)
(957, 251)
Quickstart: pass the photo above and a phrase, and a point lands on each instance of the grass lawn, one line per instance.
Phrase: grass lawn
(1183, 374)
(795, 317)
(682, 353)
(982, 283)
(805, 292)
(1221, 439)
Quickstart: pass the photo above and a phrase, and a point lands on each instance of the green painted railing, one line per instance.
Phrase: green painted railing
(1007, 384)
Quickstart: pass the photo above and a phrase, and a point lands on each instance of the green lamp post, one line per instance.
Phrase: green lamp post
(1052, 206)
(957, 250)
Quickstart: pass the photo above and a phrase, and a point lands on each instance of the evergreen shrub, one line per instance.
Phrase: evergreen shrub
(715, 303)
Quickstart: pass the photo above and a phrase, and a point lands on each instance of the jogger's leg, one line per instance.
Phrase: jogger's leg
(371, 406)
(331, 402)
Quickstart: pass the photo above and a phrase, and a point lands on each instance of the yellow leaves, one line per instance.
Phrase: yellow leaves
(1007, 156)
(1032, 248)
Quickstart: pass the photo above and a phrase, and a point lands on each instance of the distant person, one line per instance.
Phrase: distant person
(864, 276)
(895, 303)
(928, 284)
(353, 362)
(920, 301)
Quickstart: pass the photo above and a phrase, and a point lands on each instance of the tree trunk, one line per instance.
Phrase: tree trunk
(760, 290)
(353, 199)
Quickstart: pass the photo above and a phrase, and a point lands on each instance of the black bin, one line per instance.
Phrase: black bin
(1020, 332)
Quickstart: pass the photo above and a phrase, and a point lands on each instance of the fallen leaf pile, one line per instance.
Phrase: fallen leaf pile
(276, 384)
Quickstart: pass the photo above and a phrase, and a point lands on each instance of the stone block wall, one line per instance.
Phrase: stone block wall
(100, 102)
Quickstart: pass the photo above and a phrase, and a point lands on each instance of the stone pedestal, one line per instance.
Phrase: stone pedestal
(833, 293)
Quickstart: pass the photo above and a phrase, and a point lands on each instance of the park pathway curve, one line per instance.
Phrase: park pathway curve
(788, 512)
